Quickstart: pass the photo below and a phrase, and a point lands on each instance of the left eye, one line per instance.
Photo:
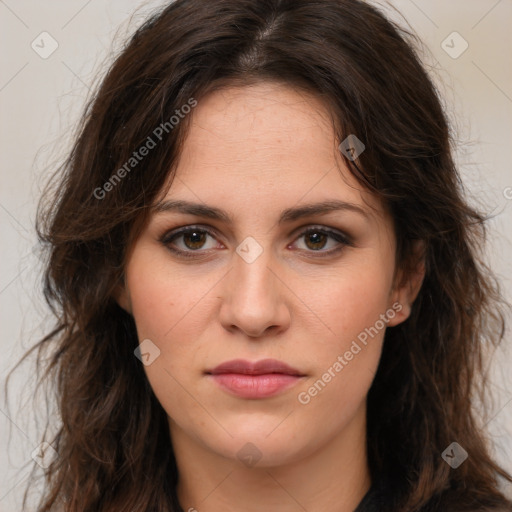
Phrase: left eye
(193, 239)
(316, 238)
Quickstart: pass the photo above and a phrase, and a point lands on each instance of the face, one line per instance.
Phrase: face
(256, 275)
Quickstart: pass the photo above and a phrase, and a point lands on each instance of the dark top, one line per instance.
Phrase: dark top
(379, 499)
(370, 503)
(372, 500)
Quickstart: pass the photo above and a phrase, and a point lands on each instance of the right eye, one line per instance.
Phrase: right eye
(192, 239)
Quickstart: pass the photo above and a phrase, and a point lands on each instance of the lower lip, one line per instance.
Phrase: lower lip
(255, 386)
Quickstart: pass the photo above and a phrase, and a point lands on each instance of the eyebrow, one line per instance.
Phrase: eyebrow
(288, 215)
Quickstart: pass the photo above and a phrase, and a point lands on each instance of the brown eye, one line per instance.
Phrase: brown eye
(187, 241)
(194, 239)
(316, 240)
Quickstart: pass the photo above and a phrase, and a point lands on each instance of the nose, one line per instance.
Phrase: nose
(254, 297)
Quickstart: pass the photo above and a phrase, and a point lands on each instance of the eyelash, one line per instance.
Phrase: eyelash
(169, 237)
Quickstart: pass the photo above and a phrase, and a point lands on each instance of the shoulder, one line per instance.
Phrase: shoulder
(458, 502)
(382, 497)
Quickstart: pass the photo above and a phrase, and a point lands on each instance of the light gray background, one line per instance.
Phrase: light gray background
(40, 100)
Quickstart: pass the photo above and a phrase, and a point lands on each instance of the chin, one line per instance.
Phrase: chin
(264, 448)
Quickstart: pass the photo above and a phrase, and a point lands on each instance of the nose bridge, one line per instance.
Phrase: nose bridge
(251, 275)
(252, 300)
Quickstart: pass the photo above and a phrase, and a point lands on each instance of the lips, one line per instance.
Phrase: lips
(261, 379)
(263, 367)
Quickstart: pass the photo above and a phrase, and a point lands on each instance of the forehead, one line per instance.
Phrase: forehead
(241, 125)
(264, 144)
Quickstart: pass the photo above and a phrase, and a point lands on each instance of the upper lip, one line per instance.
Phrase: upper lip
(261, 367)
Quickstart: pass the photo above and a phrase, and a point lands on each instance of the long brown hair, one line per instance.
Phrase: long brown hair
(114, 451)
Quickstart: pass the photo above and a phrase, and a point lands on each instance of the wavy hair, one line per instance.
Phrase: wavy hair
(114, 451)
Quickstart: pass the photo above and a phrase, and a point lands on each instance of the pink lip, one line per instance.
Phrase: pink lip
(261, 379)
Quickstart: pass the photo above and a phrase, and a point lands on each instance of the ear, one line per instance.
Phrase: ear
(407, 285)
(121, 295)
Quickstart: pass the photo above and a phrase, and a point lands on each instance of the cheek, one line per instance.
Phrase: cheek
(329, 312)
(161, 300)
(347, 301)
(162, 306)
(172, 309)
(349, 334)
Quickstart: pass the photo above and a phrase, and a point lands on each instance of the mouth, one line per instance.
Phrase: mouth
(261, 379)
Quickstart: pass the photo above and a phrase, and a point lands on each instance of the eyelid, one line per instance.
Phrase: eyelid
(324, 229)
(169, 236)
(342, 238)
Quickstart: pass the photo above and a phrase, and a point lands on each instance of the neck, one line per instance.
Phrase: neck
(332, 478)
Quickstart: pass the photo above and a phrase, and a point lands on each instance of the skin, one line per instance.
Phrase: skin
(255, 151)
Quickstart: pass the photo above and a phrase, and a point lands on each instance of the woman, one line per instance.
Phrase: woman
(266, 276)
